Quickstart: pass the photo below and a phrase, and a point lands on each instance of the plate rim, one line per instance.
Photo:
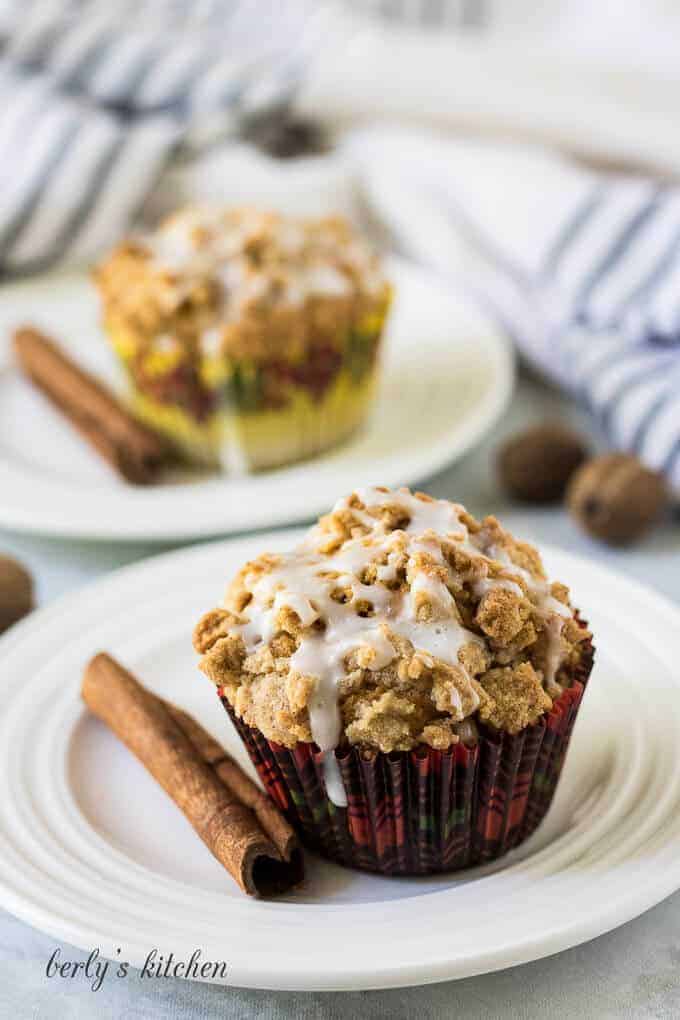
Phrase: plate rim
(637, 902)
(436, 457)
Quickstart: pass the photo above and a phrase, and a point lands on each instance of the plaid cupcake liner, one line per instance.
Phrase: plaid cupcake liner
(423, 811)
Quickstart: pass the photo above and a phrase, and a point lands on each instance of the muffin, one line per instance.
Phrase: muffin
(405, 681)
(249, 339)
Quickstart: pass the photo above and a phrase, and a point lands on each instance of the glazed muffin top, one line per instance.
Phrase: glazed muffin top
(245, 283)
(400, 620)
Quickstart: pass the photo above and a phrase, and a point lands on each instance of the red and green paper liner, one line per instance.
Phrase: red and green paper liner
(423, 811)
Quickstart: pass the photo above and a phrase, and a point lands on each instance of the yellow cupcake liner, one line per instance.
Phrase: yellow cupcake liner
(254, 440)
(249, 439)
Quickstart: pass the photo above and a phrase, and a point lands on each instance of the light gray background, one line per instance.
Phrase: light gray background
(633, 972)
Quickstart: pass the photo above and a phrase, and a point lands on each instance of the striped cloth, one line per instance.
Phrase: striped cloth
(431, 13)
(97, 96)
(583, 269)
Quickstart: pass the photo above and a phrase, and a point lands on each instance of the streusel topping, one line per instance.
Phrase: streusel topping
(244, 282)
(400, 620)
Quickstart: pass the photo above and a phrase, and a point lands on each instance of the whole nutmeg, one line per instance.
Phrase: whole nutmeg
(616, 498)
(16, 592)
(287, 137)
(536, 465)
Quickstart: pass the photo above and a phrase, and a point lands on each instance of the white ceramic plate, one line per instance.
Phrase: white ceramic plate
(448, 374)
(93, 852)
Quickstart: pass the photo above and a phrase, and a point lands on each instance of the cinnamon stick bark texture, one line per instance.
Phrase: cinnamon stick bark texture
(243, 788)
(134, 451)
(248, 837)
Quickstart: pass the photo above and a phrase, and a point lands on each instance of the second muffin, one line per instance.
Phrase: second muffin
(250, 338)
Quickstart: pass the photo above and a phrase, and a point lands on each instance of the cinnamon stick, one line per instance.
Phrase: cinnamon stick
(134, 451)
(247, 836)
(234, 778)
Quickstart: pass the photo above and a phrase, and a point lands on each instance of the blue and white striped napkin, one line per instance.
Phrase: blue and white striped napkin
(582, 268)
(96, 96)
(432, 13)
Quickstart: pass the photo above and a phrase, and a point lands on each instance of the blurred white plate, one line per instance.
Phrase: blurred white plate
(93, 852)
(448, 374)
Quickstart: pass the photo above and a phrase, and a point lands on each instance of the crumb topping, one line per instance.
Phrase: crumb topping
(243, 282)
(400, 620)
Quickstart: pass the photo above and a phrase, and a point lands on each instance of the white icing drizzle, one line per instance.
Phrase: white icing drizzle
(322, 656)
(553, 655)
(456, 701)
(540, 589)
(308, 258)
(442, 639)
(467, 731)
(555, 612)
(328, 590)
(173, 246)
(438, 515)
(487, 584)
(332, 777)
(211, 341)
(165, 343)
(320, 279)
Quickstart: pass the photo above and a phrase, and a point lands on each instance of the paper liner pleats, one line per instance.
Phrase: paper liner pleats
(423, 811)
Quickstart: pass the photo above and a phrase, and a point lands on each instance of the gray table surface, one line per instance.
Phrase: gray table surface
(632, 972)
